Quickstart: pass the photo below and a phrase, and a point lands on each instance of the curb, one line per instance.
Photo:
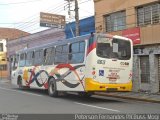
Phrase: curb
(5, 81)
(128, 97)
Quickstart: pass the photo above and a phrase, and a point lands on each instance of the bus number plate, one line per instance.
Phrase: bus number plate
(112, 89)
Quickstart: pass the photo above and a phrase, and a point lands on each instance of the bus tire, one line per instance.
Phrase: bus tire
(52, 88)
(20, 86)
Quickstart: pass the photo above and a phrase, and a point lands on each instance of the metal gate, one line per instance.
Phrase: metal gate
(159, 71)
(145, 69)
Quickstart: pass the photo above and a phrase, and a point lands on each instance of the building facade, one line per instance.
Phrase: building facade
(86, 26)
(7, 34)
(11, 33)
(140, 21)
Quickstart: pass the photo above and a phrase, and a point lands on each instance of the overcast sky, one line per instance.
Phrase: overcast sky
(24, 14)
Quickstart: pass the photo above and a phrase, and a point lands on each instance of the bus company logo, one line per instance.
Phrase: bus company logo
(101, 62)
(124, 63)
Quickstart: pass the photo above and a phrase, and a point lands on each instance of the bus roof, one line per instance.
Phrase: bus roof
(70, 40)
(56, 43)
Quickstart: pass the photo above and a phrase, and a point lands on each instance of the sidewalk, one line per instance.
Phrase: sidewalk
(148, 97)
(5, 80)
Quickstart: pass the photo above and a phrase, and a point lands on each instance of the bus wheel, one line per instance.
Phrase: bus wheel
(85, 94)
(20, 83)
(52, 88)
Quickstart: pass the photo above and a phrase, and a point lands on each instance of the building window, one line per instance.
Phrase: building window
(149, 14)
(115, 21)
(3, 67)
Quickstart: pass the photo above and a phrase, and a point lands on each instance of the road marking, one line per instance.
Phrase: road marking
(19, 91)
(96, 107)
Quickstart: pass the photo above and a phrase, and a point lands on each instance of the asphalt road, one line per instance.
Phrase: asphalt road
(14, 100)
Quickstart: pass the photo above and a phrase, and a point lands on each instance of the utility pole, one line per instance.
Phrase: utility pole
(76, 15)
(69, 13)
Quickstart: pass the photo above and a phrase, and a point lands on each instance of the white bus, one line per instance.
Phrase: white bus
(85, 64)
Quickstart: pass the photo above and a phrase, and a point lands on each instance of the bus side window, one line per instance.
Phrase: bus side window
(52, 54)
(14, 62)
(82, 46)
(38, 58)
(61, 54)
(76, 53)
(44, 56)
(70, 52)
(32, 60)
(17, 60)
(48, 56)
(58, 52)
(22, 61)
(29, 60)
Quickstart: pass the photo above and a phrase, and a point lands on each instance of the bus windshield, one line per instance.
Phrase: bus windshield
(113, 48)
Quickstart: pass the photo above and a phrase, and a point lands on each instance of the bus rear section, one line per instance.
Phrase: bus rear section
(109, 63)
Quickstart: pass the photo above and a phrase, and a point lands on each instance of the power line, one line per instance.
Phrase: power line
(19, 22)
(129, 24)
(23, 25)
(32, 22)
(28, 26)
(20, 2)
(31, 18)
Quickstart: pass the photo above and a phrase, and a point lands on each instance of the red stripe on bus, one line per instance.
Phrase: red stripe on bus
(91, 47)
